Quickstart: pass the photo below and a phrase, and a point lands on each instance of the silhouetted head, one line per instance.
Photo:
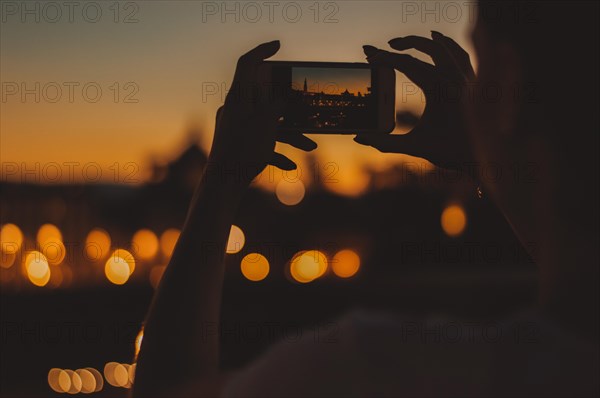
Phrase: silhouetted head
(537, 124)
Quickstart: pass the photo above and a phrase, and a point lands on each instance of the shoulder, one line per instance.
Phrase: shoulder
(362, 353)
(314, 357)
(366, 353)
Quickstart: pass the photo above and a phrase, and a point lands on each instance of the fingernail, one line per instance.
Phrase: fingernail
(436, 34)
(274, 43)
(370, 50)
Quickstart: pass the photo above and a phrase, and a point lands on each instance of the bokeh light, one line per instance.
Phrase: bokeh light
(54, 251)
(308, 265)
(36, 266)
(127, 256)
(121, 375)
(75, 382)
(88, 381)
(453, 220)
(168, 240)
(50, 241)
(145, 244)
(109, 373)
(97, 244)
(117, 268)
(11, 238)
(345, 263)
(7, 259)
(255, 267)
(118, 374)
(56, 277)
(98, 376)
(59, 380)
(132, 369)
(48, 233)
(290, 193)
(236, 240)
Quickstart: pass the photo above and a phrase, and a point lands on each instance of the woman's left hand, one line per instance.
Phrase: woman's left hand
(245, 133)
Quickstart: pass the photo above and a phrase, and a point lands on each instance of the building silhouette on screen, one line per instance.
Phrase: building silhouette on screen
(330, 107)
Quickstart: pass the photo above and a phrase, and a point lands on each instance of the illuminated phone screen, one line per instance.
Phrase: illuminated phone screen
(330, 98)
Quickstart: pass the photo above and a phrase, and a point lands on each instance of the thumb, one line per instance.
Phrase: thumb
(391, 143)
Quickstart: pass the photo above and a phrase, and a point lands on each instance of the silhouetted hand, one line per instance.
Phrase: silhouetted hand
(440, 135)
(245, 132)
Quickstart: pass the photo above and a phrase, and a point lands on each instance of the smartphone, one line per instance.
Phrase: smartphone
(332, 97)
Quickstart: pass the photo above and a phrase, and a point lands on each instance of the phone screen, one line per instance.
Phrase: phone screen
(328, 98)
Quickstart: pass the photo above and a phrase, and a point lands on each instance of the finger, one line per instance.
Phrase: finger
(283, 162)
(440, 56)
(461, 57)
(245, 77)
(421, 73)
(248, 63)
(219, 116)
(392, 143)
(299, 141)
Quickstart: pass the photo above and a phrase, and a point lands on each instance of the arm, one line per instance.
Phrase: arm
(179, 354)
(180, 345)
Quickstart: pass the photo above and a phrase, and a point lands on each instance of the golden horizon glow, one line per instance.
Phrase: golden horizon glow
(34, 132)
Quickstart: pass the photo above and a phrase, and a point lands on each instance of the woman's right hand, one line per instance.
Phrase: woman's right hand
(441, 134)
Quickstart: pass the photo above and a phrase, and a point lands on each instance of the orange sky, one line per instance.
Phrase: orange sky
(158, 76)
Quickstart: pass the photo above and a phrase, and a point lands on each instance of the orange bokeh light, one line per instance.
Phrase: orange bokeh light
(255, 267)
(453, 220)
(307, 266)
(345, 263)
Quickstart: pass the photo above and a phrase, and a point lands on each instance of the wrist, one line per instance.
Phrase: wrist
(214, 196)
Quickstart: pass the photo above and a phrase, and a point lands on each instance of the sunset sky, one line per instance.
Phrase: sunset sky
(76, 91)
